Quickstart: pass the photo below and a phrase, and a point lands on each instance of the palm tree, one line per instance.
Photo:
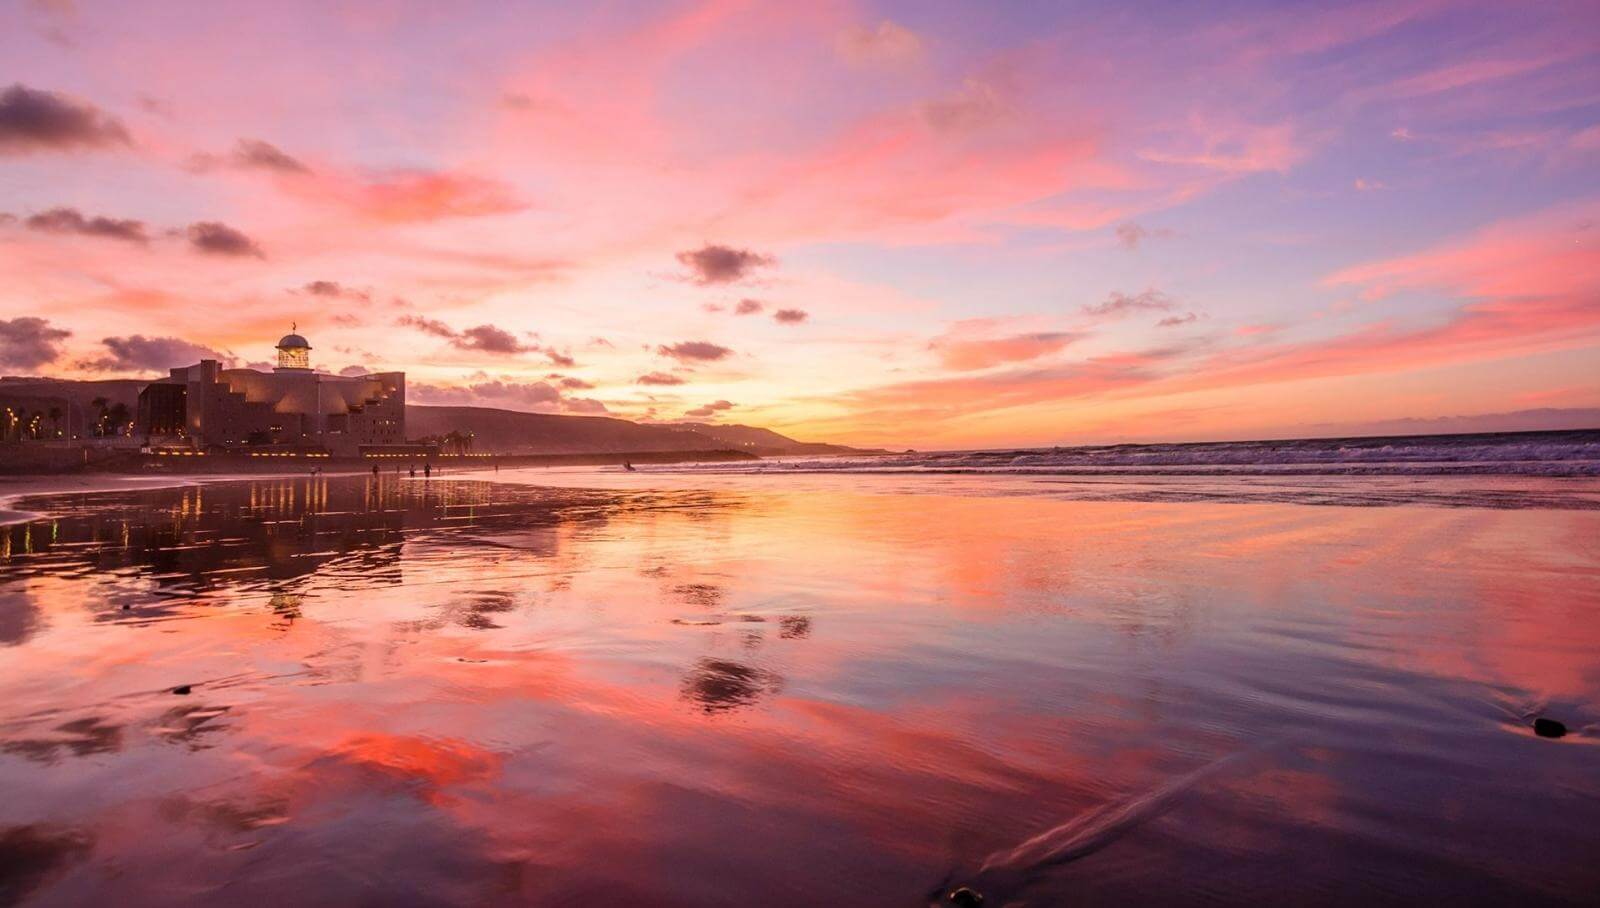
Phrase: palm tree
(99, 404)
(120, 417)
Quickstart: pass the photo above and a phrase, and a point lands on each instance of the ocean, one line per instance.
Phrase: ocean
(1561, 454)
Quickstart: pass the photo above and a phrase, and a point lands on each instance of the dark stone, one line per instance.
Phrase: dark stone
(964, 897)
(182, 689)
(1548, 728)
(126, 606)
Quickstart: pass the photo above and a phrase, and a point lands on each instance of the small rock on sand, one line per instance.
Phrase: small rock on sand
(182, 689)
(965, 898)
(1548, 728)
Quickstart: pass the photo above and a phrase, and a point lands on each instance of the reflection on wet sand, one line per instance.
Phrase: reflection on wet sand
(459, 692)
(722, 684)
(31, 854)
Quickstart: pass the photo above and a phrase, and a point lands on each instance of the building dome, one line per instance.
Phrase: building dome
(294, 353)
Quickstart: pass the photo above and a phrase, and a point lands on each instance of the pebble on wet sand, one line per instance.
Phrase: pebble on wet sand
(1548, 728)
(182, 689)
(966, 898)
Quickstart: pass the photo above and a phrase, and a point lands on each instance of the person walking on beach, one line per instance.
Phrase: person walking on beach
(413, 471)
(427, 470)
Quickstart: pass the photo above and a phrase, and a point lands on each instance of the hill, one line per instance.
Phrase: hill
(512, 432)
(764, 442)
(81, 393)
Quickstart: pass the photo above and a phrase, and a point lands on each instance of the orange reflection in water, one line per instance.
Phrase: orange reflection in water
(753, 695)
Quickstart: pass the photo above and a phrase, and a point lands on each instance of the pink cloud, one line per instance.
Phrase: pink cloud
(1528, 284)
(991, 147)
(887, 42)
(1555, 253)
(960, 351)
(1230, 146)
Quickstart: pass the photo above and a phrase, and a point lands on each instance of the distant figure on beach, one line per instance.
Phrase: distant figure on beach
(427, 470)
(628, 465)
(413, 471)
(374, 471)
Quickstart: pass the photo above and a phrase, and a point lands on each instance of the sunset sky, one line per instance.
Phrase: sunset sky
(929, 224)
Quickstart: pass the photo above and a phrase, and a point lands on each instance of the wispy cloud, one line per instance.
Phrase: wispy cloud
(659, 379)
(526, 396)
(250, 154)
(71, 220)
(334, 290)
(1131, 235)
(888, 42)
(1119, 303)
(960, 351)
(481, 338)
(711, 409)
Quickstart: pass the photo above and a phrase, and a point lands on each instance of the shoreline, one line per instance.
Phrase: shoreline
(143, 464)
(14, 489)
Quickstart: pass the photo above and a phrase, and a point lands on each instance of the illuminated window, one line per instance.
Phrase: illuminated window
(294, 358)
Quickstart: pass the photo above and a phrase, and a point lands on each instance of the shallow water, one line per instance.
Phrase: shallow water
(820, 690)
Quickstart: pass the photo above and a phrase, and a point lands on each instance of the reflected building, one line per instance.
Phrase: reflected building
(260, 534)
(207, 407)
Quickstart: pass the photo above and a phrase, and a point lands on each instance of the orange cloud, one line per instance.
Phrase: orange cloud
(969, 354)
(420, 195)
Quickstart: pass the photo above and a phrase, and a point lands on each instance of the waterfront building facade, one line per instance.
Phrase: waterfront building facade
(293, 407)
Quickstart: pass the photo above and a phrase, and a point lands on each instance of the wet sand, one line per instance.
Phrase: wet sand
(685, 691)
(16, 488)
(13, 488)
